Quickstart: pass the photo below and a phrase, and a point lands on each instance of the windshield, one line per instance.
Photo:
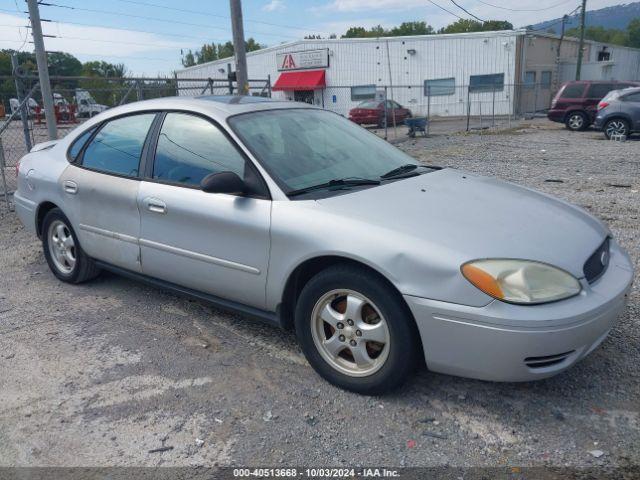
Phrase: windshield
(306, 147)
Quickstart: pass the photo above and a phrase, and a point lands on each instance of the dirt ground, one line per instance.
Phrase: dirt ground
(104, 373)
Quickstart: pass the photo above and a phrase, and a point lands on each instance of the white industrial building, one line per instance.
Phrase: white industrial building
(503, 72)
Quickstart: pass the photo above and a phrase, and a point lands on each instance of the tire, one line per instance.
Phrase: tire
(577, 121)
(382, 121)
(616, 126)
(382, 365)
(62, 250)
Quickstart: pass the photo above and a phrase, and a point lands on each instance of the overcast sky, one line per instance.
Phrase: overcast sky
(147, 35)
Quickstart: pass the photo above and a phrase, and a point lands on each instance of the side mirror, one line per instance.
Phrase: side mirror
(223, 182)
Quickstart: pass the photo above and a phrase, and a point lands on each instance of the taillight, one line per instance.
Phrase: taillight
(17, 168)
(602, 105)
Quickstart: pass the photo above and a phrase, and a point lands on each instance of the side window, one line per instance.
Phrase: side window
(79, 142)
(190, 148)
(574, 90)
(632, 97)
(117, 147)
(599, 90)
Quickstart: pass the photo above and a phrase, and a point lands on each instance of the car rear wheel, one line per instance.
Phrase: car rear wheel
(616, 127)
(577, 121)
(355, 332)
(62, 250)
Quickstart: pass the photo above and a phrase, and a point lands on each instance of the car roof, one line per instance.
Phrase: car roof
(218, 107)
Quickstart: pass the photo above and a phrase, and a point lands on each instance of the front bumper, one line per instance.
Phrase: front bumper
(510, 343)
(556, 115)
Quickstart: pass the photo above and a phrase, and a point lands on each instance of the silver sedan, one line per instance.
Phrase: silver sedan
(300, 218)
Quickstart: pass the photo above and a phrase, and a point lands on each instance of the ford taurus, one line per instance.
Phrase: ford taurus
(296, 216)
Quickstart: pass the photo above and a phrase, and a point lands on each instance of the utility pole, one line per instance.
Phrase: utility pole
(238, 47)
(581, 47)
(43, 69)
(556, 80)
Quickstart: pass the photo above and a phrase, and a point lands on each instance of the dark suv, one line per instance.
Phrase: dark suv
(576, 102)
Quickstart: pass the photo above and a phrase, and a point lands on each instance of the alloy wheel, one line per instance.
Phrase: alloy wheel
(350, 333)
(62, 247)
(616, 127)
(576, 121)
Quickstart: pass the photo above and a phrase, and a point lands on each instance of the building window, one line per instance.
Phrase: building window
(604, 55)
(440, 86)
(545, 79)
(363, 92)
(529, 79)
(486, 83)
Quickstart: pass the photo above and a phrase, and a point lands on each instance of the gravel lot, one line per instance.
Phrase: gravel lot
(102, 373)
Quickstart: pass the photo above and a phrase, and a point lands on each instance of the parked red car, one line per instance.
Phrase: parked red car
(371, 112)
(576, 103)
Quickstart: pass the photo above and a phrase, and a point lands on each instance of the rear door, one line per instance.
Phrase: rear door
(101, 189)
(213, 243)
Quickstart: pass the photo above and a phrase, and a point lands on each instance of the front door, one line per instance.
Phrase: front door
(101, 191)
(306, 96)
(214, 243)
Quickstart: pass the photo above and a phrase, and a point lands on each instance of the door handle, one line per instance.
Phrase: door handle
(70, 187)
(155, 205)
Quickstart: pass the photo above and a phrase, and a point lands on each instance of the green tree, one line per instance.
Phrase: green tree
(633, 33)
(355, 32)
(464, 25)
(496, 25)
(411, 28)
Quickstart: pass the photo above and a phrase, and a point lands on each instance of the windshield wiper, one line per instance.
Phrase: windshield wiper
(336, 182)
(404, 169)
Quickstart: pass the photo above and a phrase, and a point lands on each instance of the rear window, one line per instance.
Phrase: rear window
(574, 90)
(369, 104)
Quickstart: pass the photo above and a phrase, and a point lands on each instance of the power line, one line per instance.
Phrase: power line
(524, 9)
(556, 22)
(143, 17)
(448, 11)
(199, 12)
(467, 11)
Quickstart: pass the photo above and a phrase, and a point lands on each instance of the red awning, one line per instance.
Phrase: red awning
(308, 80)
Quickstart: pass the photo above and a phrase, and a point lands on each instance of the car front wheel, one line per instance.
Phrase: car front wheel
(62, 250)
(356, 332)
(616, 127)
(577, 121)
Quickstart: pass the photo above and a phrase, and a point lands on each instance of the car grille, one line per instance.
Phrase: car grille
(597, 263)
(546, 361)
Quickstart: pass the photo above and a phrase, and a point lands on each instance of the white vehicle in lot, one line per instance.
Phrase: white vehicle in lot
(87, 106)
(15, 104)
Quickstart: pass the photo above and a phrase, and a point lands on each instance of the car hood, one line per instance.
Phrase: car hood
(467, 217)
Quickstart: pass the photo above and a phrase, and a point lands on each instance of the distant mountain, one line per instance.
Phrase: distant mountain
(617, 16)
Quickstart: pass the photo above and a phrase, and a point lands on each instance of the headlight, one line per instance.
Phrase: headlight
(521, 281)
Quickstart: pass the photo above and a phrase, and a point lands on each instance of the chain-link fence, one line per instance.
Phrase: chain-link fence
(447, 108)
(22, 122)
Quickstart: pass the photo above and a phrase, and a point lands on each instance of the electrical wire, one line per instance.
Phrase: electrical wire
(467, 11)
(524, 9)
(143, 17)
(199, 12)
(448, 11)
